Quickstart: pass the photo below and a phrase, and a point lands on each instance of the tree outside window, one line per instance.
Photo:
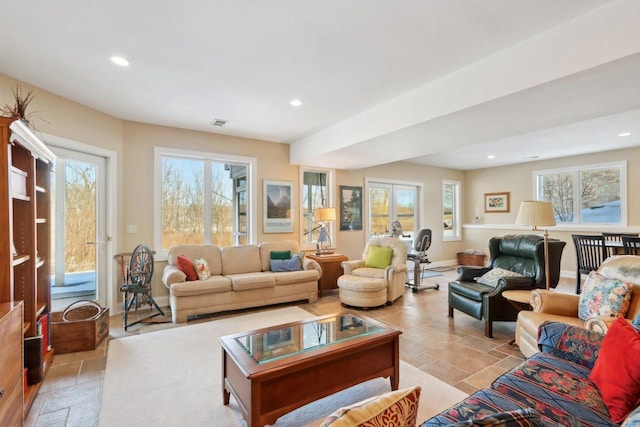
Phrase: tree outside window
(588, 194)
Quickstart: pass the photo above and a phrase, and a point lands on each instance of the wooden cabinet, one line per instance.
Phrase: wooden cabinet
(11, 383)
(25, 239)
(331, 270)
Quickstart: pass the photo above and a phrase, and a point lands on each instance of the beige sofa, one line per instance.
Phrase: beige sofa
(561, 307)
(241, 277)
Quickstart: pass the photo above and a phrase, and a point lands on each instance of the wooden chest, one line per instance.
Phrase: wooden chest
(471, 259)
(78, 335)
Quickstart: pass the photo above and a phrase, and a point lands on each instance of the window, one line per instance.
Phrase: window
(316, 192)
(450, 210)
(593, 194)
(202, 198)
(389, 202)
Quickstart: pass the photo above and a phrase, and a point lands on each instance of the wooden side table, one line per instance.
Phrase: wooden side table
(331, 270)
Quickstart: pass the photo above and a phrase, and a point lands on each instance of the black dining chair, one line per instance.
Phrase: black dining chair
(590, 252)
(613, 242)
(631, 245)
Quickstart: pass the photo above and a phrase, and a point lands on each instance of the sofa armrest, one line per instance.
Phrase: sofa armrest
(569, 342)
(311, 264)
(468, 273)
(390, 271)
(349, 266)
(600, 323)
(171, 275)
(552, 302)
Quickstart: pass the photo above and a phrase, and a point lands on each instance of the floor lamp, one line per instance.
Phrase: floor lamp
(537, 213)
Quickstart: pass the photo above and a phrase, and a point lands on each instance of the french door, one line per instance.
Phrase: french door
(79, 212)
(392, 202)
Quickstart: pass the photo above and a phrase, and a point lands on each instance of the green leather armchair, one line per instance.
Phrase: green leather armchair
(523, 254)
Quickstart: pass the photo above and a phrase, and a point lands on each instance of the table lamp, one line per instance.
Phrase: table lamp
(322, 216)
(538, 213)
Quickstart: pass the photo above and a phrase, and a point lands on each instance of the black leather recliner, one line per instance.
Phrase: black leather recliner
(522, 254)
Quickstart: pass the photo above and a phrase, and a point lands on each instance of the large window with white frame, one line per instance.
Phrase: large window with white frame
(389, 202)
(451, 210)
(316, 191)
(591, 194)
(203, 198)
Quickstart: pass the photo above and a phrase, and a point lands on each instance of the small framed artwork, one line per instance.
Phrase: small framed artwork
(350, 208)
(496, 202)
(278, 207)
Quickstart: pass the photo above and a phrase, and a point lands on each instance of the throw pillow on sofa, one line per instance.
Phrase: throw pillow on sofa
(186, 266)
(491, 277)
(602, 296)
(292, 264)
(616, 372)
(378, 257)
(280, 255)
(202, 268)
(393, 409)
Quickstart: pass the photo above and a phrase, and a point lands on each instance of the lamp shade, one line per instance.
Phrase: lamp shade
(324, 214)
(536, 213)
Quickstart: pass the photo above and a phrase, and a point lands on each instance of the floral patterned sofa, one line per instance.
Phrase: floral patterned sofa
(580, 378)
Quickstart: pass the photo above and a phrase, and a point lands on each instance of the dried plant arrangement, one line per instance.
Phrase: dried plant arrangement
(19, 109)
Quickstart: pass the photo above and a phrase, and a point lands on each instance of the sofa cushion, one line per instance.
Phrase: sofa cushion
(375, 273)
(295, 277)
(213, 284)
(186, 266)
(378, 257)
(246, 281)
(560, 390)
(527, 417)
(570, 342)
(211, 253)
(491, 277)
(240, 259)
(395, 408)
(617, 370)
(602, 296)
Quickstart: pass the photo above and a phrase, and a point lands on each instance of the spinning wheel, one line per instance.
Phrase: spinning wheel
(137, 285)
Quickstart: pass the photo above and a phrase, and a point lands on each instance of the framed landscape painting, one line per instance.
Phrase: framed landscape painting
(350, 208)
(496, 202)
(278, 207)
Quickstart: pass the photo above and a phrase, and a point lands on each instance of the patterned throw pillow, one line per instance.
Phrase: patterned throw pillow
(396, 408)
(202, 268)
(602, 296)
(491, 277)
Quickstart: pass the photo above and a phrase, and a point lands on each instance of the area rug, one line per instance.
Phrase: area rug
(173, 378)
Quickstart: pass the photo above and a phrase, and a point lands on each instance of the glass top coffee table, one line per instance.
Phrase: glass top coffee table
(275, 370)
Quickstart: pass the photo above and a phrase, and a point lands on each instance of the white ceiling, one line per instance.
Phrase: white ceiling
(429, 81)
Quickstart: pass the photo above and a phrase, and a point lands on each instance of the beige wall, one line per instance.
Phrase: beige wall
(133, 145)
(518, 180)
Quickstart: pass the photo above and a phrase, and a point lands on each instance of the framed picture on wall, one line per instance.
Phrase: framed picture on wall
(278, 207)
(350, 208)
(496, 202)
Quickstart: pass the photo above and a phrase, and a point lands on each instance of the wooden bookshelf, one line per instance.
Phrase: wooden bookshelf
(25, 246)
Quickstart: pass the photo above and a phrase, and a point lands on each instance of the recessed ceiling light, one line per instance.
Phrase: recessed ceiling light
(624, 134)
(119, 60)
(296, 102)
(491, 156)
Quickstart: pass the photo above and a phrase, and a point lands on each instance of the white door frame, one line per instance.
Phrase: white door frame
(111, 220)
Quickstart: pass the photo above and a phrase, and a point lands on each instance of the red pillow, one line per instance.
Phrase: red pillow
(616, 372)
(186, 266)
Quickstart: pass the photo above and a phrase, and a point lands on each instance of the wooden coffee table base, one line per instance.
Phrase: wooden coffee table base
(266, 395)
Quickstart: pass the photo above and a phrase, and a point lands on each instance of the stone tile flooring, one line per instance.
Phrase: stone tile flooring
(453, 350)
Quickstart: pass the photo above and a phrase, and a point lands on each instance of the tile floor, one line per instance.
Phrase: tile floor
(453, 350)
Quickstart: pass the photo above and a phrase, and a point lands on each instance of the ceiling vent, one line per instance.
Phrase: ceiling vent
(219, 122)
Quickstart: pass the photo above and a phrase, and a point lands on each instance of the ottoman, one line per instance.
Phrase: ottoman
(361, 291)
